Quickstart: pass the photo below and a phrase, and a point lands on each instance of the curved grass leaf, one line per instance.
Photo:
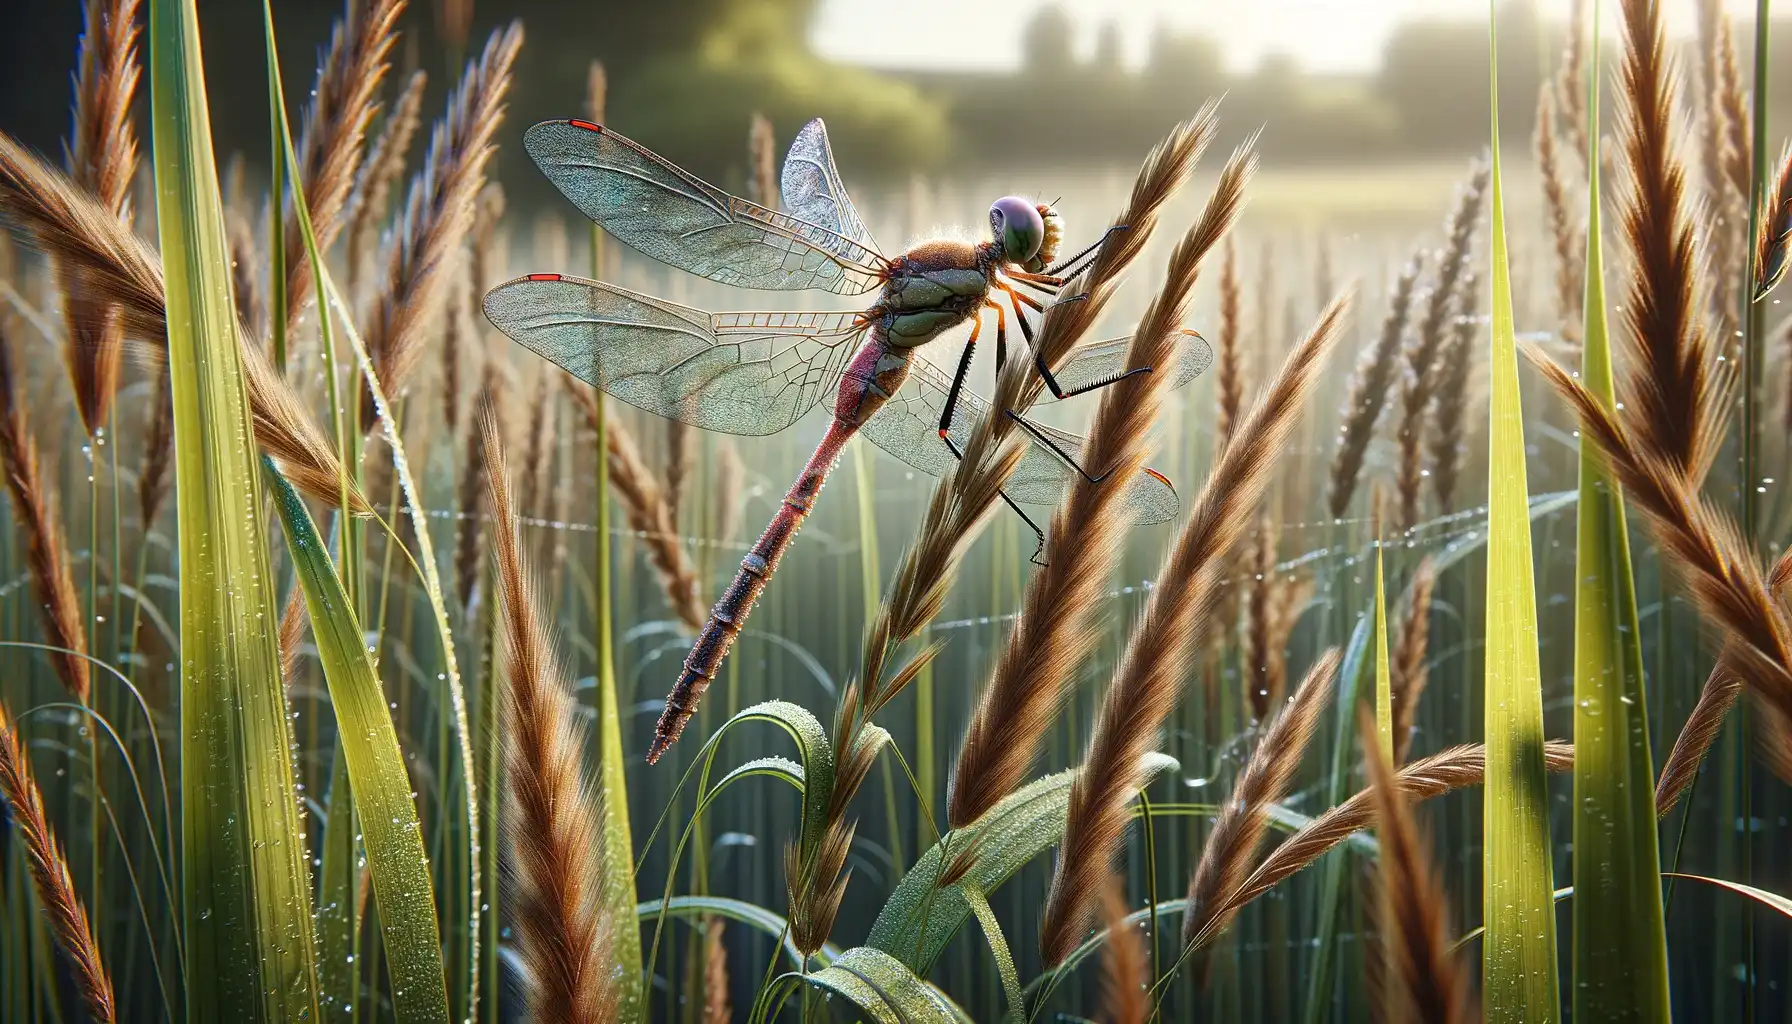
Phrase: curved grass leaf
(1620, 941)
(390, 831)
(1518, 956)
(245, 883)
(769, 922)
(886, 989)
(921, 916)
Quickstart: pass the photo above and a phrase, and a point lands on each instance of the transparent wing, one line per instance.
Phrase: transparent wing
(812, 188)
(679, 219)
(908, 428)
(739, 373)
(1103, 360)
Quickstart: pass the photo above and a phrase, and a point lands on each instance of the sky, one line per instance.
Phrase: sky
(1322, 35)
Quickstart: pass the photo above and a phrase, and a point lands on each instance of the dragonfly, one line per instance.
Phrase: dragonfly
(757, 373)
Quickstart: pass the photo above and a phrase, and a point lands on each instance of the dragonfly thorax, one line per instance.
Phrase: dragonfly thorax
(933, 288)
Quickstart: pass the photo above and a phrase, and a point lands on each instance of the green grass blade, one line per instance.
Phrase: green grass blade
(1620, 945)
(246, 887)
(390, 831)
(1384, 675)
(1518, 972)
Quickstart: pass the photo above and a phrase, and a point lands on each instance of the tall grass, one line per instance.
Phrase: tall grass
(399, 801)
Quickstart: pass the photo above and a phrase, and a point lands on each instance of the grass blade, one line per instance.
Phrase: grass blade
(1519, 953)
(390, 831)
(1620, 946)
(1384, 674)
(246, 887)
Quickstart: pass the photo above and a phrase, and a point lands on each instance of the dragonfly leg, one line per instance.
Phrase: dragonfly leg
(1045, 439)
(1039, 549)
(1070, 268)
(1001, 334)
(964, 369)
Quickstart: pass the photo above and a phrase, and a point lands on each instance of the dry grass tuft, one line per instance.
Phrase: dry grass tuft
(681, 457)
(1056, 629)
(437, 216)
(1701, 729)
(102, 158)
(554, 810)
(330, 141)
(643, 501)
(1565, 231)
(381, 170)
(717, 1009)
(56, 895)
(1369, 385)
(1675, 390)
(1427, 981)
(67, 223)
(762, 163)
(1272, 605)
(469, 519)
(1450, 405)
(153, 475)
(1717, 565)
(1420, 381)
(1410, 673)
(1124, 969)
(46, 549)
(1423, 779)
(1232, 842)
(1145, 686)
(1229, 375)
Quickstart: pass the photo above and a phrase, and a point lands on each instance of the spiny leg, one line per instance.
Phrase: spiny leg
(1045, 370)
(1038, 533)
(964, 369)
(1043, 438)
(1070, 267)
(1001, 333)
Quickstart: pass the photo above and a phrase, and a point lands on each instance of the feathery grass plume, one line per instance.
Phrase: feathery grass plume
(46, 549)
(1420, 381)
(462, 331)
(1563, 230)
(1449, 412)
(293, 621)
(1143, 692)
(1773, 239)
(553, 819)
(538, 452)
(1428, 982)
(762, 159)
(469, 507)
(1369, 385)
(437, 216)
(1229, 382)
(1570, 95)
(717, 1008)
(644, 503)
(1733, 105)
(1701, 729)
(330, 141)
(1706, 721)
(1410, 651)
(1055, 631)
(681, 455)
(1124, 969)
(454, 21)
(1273, 605)
(1232, 842)
(1442, 772)
(67, 223)
(381, 169)
(56, 895)
(1716, 564)
(1674, 384)
(158, 449)
(102, 158)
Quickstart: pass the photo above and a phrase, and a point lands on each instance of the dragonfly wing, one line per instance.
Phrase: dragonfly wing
(681, 220)
(812, 188)
(908, 428)
(739, 373)
(1103, 360)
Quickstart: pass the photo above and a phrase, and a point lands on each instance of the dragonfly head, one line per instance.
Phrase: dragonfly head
(1016, 226)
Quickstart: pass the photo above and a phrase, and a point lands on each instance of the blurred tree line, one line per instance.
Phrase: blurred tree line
(685, 75)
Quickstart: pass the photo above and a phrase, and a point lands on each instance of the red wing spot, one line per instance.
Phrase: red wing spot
(544, 277)
(587, 125)
(1162, 478)
(942, 435)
